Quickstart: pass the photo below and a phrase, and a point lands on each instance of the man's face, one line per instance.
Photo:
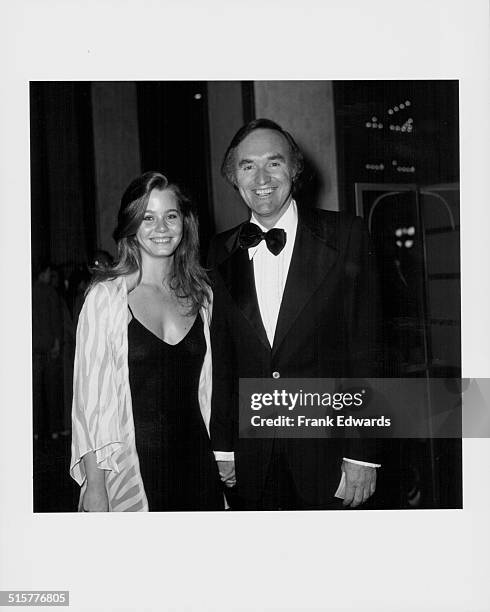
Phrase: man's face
(264, 173)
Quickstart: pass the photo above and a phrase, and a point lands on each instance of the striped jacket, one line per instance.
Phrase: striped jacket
(102, 417)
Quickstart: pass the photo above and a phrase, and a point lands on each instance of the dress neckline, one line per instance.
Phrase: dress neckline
(158, 337)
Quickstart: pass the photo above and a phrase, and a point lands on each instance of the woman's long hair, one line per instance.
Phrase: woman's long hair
(189, 281)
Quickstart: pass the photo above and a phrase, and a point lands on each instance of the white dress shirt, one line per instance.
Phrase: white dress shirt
(271, 271)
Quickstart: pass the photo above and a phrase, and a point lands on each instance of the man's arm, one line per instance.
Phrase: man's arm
(362, 312)
(222, 415)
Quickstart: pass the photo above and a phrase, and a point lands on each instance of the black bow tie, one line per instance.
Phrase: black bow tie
(251, 235)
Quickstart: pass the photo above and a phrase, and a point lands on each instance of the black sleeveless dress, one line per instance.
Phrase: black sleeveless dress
(176, 462)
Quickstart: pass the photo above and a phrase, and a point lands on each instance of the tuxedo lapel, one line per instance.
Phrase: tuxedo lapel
(313, 256)
(238, 275)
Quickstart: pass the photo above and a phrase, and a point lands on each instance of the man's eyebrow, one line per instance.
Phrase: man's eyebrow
(244, 162)
(271, 157)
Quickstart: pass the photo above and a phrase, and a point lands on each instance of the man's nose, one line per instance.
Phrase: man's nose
(262, 176)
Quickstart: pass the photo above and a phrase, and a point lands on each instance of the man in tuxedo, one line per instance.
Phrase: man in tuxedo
(293, 298)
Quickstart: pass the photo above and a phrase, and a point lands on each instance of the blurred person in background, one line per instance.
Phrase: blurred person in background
(67, 347)
(47, 337)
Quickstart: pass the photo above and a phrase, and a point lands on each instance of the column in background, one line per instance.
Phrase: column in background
(225, 108)
(116, 151)
(306, 109)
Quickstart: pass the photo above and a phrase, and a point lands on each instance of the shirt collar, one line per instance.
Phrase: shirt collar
(288, 222)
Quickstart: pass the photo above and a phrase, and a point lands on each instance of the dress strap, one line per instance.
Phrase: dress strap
(131, 312)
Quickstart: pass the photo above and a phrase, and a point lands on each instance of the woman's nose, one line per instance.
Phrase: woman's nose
(161, 225)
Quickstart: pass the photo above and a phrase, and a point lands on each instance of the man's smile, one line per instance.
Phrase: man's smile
(267, 191)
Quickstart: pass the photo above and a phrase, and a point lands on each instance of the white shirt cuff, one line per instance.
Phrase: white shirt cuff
(224, 455)
(366, 463)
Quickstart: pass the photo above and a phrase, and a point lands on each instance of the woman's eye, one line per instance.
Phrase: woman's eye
(148, 218)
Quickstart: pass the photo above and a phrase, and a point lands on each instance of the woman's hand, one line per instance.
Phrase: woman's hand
(95, 499)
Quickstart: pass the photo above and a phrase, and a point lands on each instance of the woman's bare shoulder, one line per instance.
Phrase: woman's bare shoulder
(132, 280)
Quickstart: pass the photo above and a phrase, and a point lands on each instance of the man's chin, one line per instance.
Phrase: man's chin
(265, 209)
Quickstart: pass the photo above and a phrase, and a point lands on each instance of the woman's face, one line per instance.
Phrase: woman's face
(161, 230)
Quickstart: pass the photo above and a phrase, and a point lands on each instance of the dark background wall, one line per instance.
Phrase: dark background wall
(63, 212)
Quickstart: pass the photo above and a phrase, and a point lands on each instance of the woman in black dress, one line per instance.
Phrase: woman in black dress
(145, 323)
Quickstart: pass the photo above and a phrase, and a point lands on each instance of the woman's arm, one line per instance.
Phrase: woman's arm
(95, 498)
(95, 432)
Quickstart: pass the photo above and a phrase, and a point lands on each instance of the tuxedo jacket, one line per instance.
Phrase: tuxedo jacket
(325, 329)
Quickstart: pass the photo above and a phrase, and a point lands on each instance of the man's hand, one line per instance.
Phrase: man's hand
(226, 471)
(360, 483)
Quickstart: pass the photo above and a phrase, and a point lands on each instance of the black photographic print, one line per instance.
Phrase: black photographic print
(387, 151)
